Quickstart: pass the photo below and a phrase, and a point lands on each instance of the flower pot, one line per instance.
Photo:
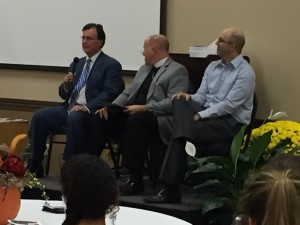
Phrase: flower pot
(10, 201)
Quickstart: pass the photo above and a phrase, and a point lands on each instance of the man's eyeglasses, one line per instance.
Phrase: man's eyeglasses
(221, 40)
(88, 39)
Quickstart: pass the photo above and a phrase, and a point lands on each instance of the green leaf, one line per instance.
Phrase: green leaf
(203, 160)
(256, 149)
(219, 161)
(222, 188)
(212, 170)
(201, 177)
(243, 157)
(214, 203)
(224, 162)
(236, 146)
(244, 169)
(283, 144)
(207, 167)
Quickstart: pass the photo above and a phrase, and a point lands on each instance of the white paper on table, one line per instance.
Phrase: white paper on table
(203, 52)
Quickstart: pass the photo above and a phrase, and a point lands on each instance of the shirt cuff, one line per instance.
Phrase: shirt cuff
(87, 109)
(203, 114)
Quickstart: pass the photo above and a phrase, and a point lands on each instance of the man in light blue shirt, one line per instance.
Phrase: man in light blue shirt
(226, 89)
(214, 114)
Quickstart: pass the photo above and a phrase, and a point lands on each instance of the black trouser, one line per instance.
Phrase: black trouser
(142, 130)
(135, 131)
(102, 130)
(221, 129)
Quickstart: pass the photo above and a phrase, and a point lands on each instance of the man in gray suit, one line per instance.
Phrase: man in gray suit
(145, 110)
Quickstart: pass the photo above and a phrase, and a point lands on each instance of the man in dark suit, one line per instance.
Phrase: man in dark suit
(146, 113)
(92, 82)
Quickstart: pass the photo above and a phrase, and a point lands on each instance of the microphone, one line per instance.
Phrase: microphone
(74, 64)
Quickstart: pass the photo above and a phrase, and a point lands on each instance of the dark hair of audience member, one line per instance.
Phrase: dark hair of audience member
(272, 196)
(90, 189)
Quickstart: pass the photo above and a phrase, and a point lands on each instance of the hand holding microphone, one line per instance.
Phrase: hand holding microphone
(68, 79)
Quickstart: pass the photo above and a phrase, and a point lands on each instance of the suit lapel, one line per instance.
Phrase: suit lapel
(136, 86)
(159, 73)
(99, 60)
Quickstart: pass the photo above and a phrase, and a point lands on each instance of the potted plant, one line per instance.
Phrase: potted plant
(219, 179)
(13, 178)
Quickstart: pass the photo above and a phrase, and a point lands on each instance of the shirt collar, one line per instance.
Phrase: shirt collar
(235, 62)
(94, 57)
(160, 62)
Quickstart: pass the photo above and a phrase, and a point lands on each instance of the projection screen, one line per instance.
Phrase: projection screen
(47, 33)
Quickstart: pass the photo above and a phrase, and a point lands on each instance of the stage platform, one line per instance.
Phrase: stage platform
(189, 210)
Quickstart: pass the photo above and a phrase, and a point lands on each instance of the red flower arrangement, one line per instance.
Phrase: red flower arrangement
(13, 164)
(13, 170)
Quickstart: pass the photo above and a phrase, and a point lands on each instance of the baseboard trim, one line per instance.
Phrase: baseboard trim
(24, 105)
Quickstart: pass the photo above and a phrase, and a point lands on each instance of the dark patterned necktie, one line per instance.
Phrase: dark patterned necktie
(80, 84)
(141, 97)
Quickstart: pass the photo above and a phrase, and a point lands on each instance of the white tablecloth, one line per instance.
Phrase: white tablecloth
(31, 210)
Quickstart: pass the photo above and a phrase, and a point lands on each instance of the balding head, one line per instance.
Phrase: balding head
(159, 42)
(156, 48)
(236, 36)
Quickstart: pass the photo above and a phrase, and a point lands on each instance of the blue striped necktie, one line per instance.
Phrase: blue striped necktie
(80, 84)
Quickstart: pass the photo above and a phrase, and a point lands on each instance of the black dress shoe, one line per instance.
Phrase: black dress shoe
(132, 187)
(164, 196)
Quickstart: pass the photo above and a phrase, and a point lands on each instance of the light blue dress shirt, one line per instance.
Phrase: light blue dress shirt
(227, 89)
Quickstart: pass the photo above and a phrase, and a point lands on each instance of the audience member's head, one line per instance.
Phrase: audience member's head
(90, 190)
(282, 162)
(272, 196)
(156, 47)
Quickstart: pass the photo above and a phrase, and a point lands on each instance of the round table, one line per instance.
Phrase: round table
(31, 210)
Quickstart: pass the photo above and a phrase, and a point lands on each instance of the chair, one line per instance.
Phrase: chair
(62, 131)
(252, 122)
(114, 146)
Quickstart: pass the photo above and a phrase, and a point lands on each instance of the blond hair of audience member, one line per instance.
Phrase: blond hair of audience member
(272, 197)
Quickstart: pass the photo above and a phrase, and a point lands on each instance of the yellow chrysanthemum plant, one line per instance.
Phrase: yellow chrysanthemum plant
(282, 131)
(285, 134)
(13, 170)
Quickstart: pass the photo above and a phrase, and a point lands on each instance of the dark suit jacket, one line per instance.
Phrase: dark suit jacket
(104, 83)
(170, 79)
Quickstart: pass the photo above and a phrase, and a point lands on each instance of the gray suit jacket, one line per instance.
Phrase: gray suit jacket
(171, 78)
